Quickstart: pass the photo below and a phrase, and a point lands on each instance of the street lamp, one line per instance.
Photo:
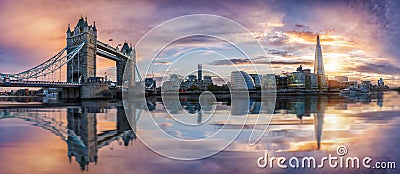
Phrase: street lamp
(80, 78)
(105, 75)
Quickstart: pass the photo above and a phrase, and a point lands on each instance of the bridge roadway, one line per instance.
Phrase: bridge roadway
(44, 84)
(109, 52)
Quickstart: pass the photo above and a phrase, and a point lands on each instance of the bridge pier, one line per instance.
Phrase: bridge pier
(70, 93)
(96, 88)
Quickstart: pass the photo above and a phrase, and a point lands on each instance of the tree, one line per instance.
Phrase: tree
(212, 87)
(194, 88)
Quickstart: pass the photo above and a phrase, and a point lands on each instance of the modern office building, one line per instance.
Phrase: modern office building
(319, 66)
(269, 82)
(297, 80)
(381, 84)
(334, 84)
(311, 79)
(240, 80)
(256, 79)
(366, 84)
(173, 84)
(281, 81)
(200, 72)
(339, 82)
(189, 81)
(207, 81)
(192, 78)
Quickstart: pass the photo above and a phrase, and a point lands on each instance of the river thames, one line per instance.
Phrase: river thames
(46, 136)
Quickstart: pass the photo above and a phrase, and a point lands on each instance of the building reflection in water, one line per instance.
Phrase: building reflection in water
(301, 106)
(379, 98)
(310, 106)
(84, 139)
(319, 119)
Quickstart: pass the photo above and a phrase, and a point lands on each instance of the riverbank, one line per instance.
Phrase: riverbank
(283, 93)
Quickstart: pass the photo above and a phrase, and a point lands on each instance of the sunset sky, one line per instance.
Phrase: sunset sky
(360, 39)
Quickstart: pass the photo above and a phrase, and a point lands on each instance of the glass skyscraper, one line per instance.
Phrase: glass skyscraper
(240, 80)
(319, 66)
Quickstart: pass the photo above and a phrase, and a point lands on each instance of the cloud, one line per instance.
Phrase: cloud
(162, 63)
(376, 68)
(272, 24)
(292, 62)
(258, 61)
(274, 38)
(197, 39)
(230, 62)
(239, 61)
(279, 52)
(306, 35)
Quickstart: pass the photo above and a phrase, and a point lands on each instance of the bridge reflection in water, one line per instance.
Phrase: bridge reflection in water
(77, 126)
(84, 141)
(81, 125)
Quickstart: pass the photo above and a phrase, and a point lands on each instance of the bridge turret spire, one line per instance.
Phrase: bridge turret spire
(69, 29)
(94, 26)
(86, 23)
(126, 49)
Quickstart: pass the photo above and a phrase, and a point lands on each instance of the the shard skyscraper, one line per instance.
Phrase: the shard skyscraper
(319, 66)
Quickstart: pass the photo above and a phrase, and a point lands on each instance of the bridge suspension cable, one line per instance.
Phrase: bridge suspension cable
(48, 67)
(138, 73)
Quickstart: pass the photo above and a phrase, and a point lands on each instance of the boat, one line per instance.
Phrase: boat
(355, 91)
(349, 91)
(50, 94)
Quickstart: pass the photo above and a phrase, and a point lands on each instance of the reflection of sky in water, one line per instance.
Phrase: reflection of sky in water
(367, 126)
(300, 123)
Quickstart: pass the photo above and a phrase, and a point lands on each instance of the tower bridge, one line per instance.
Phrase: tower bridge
(79, 57)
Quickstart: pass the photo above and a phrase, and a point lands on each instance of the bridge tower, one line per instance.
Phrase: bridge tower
(126, 50)
(83, 65)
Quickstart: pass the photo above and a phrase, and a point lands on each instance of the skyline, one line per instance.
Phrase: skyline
(358, 38)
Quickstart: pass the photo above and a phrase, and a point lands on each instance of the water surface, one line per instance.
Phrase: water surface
(95, 136)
